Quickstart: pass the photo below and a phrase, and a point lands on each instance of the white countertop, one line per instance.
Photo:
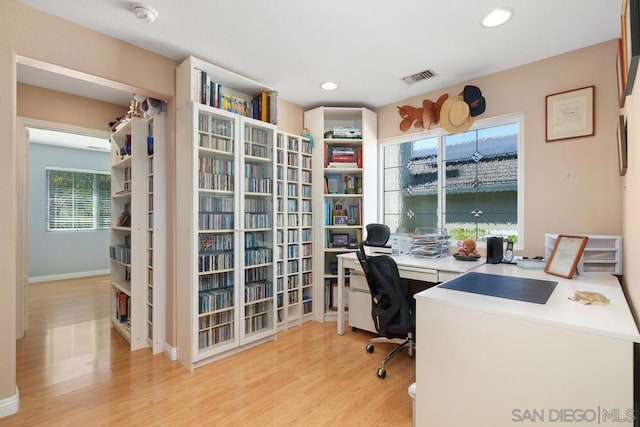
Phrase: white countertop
(613, 320)
(447, 263)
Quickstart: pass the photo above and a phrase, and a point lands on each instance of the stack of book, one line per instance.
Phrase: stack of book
(344, 157)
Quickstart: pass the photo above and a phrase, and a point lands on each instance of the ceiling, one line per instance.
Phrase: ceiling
(366, 46)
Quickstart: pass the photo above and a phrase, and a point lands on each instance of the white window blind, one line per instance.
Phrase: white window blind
(78, 200)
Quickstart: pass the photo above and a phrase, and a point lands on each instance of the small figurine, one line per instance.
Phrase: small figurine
(468, 247)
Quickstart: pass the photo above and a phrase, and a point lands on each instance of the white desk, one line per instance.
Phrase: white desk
(503, 362)
(434, 270)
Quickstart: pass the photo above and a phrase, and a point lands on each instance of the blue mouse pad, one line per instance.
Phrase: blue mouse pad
(516, 288)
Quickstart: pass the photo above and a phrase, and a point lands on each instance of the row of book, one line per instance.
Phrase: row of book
(255, 291)
(205, 90)
(215, 281)
(217, 335)
(342, 184)
(215, 319)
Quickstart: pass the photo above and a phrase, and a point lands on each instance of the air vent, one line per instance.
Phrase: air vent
(422, 75)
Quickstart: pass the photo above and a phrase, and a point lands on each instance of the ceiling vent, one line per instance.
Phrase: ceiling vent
(422, 75)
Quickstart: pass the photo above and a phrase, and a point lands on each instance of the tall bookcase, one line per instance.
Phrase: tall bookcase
(225, 212)
(138, 223)
(294, 228)
(344, 171)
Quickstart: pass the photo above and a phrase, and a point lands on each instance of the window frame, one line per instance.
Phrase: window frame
(440, 133)
(96, 198)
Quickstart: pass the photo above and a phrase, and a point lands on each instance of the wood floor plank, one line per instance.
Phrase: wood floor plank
(74, 370)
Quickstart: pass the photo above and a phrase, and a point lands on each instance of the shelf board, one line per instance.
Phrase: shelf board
(122, 286)
(122, 329)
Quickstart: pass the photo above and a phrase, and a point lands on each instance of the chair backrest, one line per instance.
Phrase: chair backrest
(390, 307)
(377, 234)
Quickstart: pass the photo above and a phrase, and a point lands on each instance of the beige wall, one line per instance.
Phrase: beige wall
(570, 186)
(29, 33)
(631, 203)
(52, 106)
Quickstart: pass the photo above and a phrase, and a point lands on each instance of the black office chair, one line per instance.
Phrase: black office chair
(392, 307)
(377, 234)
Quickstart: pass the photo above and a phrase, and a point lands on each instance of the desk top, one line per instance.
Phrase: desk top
(447, 263)
(613, 320)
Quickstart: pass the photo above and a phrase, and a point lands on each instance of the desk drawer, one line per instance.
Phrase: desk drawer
(421, 274)
(443, 276)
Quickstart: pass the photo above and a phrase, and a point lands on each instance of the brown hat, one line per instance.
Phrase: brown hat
(454, 115)
(438, 106)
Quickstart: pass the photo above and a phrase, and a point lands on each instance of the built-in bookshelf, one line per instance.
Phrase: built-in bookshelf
(294, 228)
(226, 220)
(344, 171)
(138, 222)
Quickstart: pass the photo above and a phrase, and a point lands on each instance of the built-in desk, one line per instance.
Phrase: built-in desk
(490, 361)
(433, 270)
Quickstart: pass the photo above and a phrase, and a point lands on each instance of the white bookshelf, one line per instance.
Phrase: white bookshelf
(342, 181)
(226, 227)
(294, 229)
(138, 303)
(602, 254)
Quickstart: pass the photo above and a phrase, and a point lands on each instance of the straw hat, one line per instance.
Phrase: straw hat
(454, 115)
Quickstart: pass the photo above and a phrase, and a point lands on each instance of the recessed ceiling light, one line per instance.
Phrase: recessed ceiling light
(497, 17)
(144, 13)
(329, 86)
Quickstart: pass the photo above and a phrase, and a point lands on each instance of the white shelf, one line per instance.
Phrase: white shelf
(132, 191)
(222, 310)
(602, 254)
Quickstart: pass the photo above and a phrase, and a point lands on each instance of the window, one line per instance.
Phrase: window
(467, 183)
(78, 200)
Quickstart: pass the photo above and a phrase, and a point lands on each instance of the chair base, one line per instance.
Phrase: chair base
(408, 343)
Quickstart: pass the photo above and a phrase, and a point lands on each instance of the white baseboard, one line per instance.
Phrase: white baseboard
(171, 352)
(10, 405)
(65, 276)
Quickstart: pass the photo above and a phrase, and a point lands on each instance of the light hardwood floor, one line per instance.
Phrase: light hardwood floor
(74, 370)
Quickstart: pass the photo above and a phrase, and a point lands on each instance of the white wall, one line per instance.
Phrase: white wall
(59, 254)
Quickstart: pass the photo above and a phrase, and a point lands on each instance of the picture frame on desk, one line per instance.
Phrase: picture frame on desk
(570, 114)
(565, 255)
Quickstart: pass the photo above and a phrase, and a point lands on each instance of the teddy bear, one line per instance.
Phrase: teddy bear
(468, 247)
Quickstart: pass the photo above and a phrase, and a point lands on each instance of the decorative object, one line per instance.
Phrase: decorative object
(340, 220)
(455, 115)
(565, 255)
(340, 240)
(570, 114)
(622, 146)
(424, 117)
(468, 247)
(630, 23)
(472, 95)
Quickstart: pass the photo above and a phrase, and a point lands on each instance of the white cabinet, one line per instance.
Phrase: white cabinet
(138, 225)
(602, 254)
(345, 169)
(225, 176)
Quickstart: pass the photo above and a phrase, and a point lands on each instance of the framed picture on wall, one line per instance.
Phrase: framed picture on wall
(570, 114)
(630, 30)
(622, 145)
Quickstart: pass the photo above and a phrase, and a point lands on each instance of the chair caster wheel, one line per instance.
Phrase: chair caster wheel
(382, 373)
(370, 348)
